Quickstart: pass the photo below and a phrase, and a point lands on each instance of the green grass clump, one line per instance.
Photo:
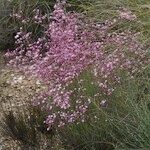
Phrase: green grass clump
(9, 26)
(123, 124)
(100, 10)
(27, 128)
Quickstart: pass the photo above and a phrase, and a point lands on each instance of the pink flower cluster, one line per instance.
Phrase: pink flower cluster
(35, 17)
(67, 48)
(127, 15)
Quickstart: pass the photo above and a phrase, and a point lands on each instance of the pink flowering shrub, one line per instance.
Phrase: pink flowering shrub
(69, 51)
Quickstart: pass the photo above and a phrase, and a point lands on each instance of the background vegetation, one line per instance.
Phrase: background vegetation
(98, 10)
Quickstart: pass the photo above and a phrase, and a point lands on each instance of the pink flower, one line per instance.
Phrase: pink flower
(127, 15)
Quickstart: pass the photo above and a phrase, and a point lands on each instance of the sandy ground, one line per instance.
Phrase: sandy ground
(15, 91)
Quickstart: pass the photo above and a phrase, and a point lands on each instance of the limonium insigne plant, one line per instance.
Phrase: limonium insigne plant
(69, 47)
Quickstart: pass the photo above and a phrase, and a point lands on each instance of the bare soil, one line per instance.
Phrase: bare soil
(16, 91)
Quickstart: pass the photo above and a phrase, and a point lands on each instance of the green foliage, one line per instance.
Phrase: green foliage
(142, 10)
(100, 10)
(123, 124)
(9, 26)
